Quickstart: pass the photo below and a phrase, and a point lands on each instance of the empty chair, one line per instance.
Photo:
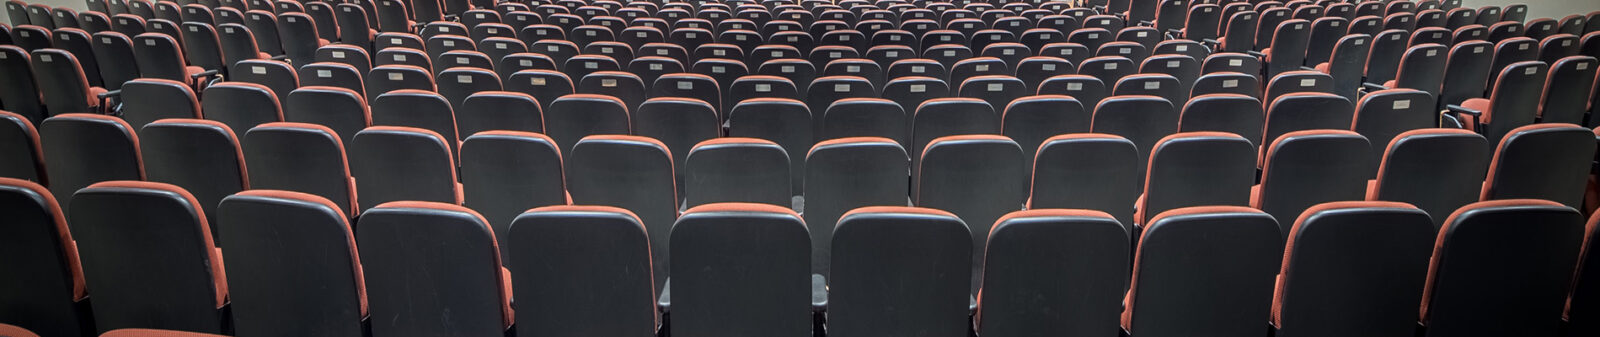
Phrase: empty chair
(736, 169)
(1306, 168)
(1513, 101)
(393, 163)
(1087, 171)
(1307, 111)
(48, 286)
(1467, 292)
(1422, 68)
(276, 75)
(1141, 119)
(507, 172)
(941, 117)
(1295, 82)
(417, 109)
(1053, 271)
(386, 78)
(1465, 76)
(83, 149)
(161, 56)
(1541, 161)
(19, 144)
(631, 172)
(1203, 271)
(431, 269)
(498, 110)
(1437, 170)
(342, 110)
(572, 117)
(299, 157)
(179, 283)
(1158, 85)
(241, 105)
(977, 177)
(580, 289)
(1288, 49)
(740, 269)
(923, 273)
(455, 84)
(1197, 169)
(294, 262)
(844, 174)
(200, 156)
(1232, 113)
(1571, 81)
(62, 83)
(865, 117)
(147, 100)
(1086, 89)
(1353, 268)
(1580, 308)
(21, 93)
(1384, 114)
(786, 122)
(680, 123)
(1030, 120)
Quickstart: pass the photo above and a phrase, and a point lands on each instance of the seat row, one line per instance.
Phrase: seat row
(411, 268)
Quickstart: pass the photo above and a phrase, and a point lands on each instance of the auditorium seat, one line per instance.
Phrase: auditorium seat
(1144, 120)
(1196, 169)
(1305, 168)
(940, 117)
(456, 83)
(631, 172)
(1064, 177)
(200, 156)
(1580, 312)
(976, 177)
(1231, 113)
(1306, 111)
(785, 122)
(1053, 271)
(147, 100)
(241, 105)
(295, 264)
(179, 282)
(1466, 294)
(432, 268)
(277, 75)
(1383, 115)
(394, 163)
(1465, 76)
(83, 149)
(300, 157)
(734, 169)
(1203, 271)
(341, 110)
(499, 110)
(678, 122)
(418, 109)
(1570, 81)
(19, 144)
(48, 292)
(1353, 268)
(545, 85)
(922, 272)
(573, 117)
(21, 94)
(740, 269)
(1541, 161)
(386, 78)
(62, 83)
(580, 289)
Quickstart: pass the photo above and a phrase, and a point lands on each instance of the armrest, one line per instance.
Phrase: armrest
(109, 94)
(1372, 86)
(1211, 41)
(1463, 110)
(279, 57)
(1147, 23)
(1258, 54)
(209, 72)
(1307, 68)
(819, 293)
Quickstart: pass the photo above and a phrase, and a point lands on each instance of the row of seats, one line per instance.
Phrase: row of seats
(425, 269)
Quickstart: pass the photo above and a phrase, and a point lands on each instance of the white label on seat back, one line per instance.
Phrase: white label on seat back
(1566, 43)
(847, 37)
(843, 87)
(1431, 53)
(463, 60)
(689, 35)
(718, 69)
(258, 70)
(919, 88)
(45, 58)
(982, 67)
(147, 42)
(1235, 63)
(525, 63)
(1523, 46)
(1402, 104)
(1477, 50)
(655, 66)
(1111, 66)
(685, 85)
(1074, 86)
(1152, 85)
(399, 58)
(1230, 83)
(996, 86)
(1307, 82)
(891, 38)
(1530, 71)
(591, 65)
(719, 52)
(763, 88)
(1181, 48)
(324, 73)
(857, 69)
(1008, 52)
(448, 43)
(892, 54)
(394, 76)
(1173, 64)
(538, 81)
(786, 69)
(607, 82)
(464, 79)
(918, 69)
(1047, 67)
(1583, 66)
